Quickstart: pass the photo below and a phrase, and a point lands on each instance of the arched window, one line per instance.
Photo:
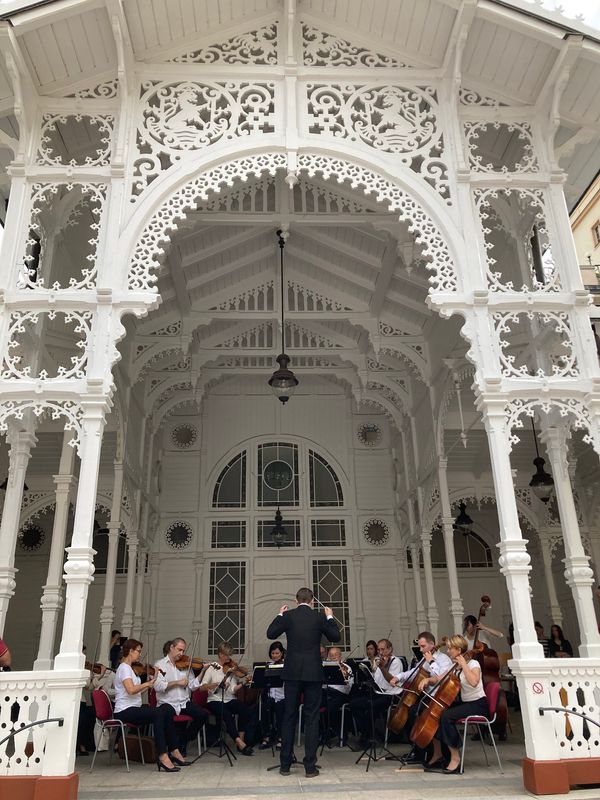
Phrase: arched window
(100, 545)
(230, 488)
(325, 488)
(470, 549)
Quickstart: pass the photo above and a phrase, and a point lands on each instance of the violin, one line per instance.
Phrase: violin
(195, 664)
(97, 669)
(146, 669)
(231, 667)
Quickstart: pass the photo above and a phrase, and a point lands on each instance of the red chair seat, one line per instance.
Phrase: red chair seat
(182, 718)
(472, 719)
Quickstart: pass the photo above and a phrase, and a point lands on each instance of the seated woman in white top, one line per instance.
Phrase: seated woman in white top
(273, 702)
(472, 701)
(129, 708)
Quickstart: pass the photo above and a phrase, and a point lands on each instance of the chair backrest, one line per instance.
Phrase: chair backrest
(152, 698)
(491, 692)
(200, 697)
(102, 705)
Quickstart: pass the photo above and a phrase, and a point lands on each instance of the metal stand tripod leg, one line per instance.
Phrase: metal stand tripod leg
(371, 750)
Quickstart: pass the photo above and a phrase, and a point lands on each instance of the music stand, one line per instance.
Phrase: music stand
(268, 677)
(224, 749)
(333, 677)
(371, 749)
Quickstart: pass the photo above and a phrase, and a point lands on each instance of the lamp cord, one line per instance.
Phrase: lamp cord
(535, 439)
(281, 246)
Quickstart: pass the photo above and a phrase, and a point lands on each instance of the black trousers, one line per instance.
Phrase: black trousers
(161, 717)
(333, 701)
(272, 719)
(228, 711)
(361, 710)
(447, 732)
(199, 717)
(312, 702)
(85, 728)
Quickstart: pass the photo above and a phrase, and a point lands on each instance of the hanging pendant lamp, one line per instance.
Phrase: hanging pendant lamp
(542, 483)
(283, 382)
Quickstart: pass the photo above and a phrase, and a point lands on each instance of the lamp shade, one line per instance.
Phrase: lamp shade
(463, 521)
(542, 484)
(283, 382)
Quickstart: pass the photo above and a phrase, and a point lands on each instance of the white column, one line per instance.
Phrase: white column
(52, 597)
(546, 548)
(151, 621)
(139, 592)
(416, 570)
(107, 612)
(404, 620)
(200, 618)
(132, 548)
(432, 612)
(79, 566)
(578, 573)
(21, 443)
(456, 603)
(360, 622)
(514, 558)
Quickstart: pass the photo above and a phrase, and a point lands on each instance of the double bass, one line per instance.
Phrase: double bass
(489, 662)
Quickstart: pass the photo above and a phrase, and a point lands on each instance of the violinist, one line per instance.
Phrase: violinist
(173, 684)
(472, 701)
(273, 703)
(335, 696)
(371, 654)
(129, 708)
(223, 681)
(389, 676)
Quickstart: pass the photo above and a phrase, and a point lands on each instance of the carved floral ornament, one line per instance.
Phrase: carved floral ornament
(55, 409)
(145, 261)
(573, 411)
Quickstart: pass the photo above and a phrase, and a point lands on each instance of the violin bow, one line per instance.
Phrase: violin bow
(196, 637)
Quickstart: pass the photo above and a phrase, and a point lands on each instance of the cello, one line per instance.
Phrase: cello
(410, 694)
(446, 692)
(489, 662)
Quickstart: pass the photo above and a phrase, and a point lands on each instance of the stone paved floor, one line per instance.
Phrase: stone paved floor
(341, 779)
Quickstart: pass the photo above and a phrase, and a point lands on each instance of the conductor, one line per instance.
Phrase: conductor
(302, 674)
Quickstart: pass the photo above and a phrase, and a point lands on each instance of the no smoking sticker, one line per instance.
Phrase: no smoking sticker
(537, 688)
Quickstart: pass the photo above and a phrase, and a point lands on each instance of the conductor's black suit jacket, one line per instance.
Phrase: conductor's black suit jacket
(304, 627)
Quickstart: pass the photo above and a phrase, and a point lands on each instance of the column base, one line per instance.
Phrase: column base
(557, 777)
(40, 787)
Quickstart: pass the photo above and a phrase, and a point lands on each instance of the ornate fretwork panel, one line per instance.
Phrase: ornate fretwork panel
(258, 298)
(536, 343)
(322, 49)
(469, 97)
(76, 140)
(310, 198)
(107, 90)
(300, 298)
(258, 46)
(181, 118)
(254, 198)
(388, 393)
(573, 411)
(27, 358)
(259, 337)
(517, 240)
(298, 337)
(500, 147)
(67, 411)
(61, 240)
(399, 120)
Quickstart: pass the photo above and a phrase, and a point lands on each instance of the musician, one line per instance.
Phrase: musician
(436, 664)
(371, 654)
(302, 674)
(471, 626)
(114, 655)
(388, 668)
(173, 686)
(129, 708)
(273, 703)
(334, 695)
(223, 685)
(472, 701)
(5, 657)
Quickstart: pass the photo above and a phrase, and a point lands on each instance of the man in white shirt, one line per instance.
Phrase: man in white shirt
(335, 695)
(173, 686)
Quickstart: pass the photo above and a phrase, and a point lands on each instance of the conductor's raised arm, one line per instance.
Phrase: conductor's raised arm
(279, 625)
(329, 629)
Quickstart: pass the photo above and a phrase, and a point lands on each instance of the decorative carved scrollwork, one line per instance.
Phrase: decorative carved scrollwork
(321, 49)
(96, 129)
(554, 353)
(258, 46)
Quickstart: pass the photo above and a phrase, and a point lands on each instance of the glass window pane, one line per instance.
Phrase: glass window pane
(228, 534)
(291, 527)
(330, 585)
(325, 488)
(278, 480)
(227, 605)
(328, 532)
(230, 488)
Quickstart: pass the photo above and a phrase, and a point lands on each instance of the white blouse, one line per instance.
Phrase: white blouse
(468, 692)
(124, 700)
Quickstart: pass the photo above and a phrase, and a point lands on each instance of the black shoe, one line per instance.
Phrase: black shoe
(160, 765)
(284, 770)
(246, 751)
(312, 773)
(264, 745)
(179, 762)
(412, 758)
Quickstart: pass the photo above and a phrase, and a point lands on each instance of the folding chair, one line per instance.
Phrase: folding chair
(104, 714)
(491, 692)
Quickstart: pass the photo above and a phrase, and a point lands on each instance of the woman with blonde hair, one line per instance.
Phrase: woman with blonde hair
(472, 700)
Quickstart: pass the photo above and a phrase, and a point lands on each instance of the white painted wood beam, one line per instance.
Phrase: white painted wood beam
(327, 267)
(341, 247)
(382, 283)
(204, 252)
(224, 269)
(24, 90)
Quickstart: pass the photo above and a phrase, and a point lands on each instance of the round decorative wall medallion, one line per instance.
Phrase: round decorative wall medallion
(278, 475)
(179, 535)
(376, 532)
(31, 538)
(184, 436)
(369, 433)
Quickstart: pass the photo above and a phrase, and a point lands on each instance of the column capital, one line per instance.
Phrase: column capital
(64, 482)
(514, 558)
(578, 571)
(425, 538)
